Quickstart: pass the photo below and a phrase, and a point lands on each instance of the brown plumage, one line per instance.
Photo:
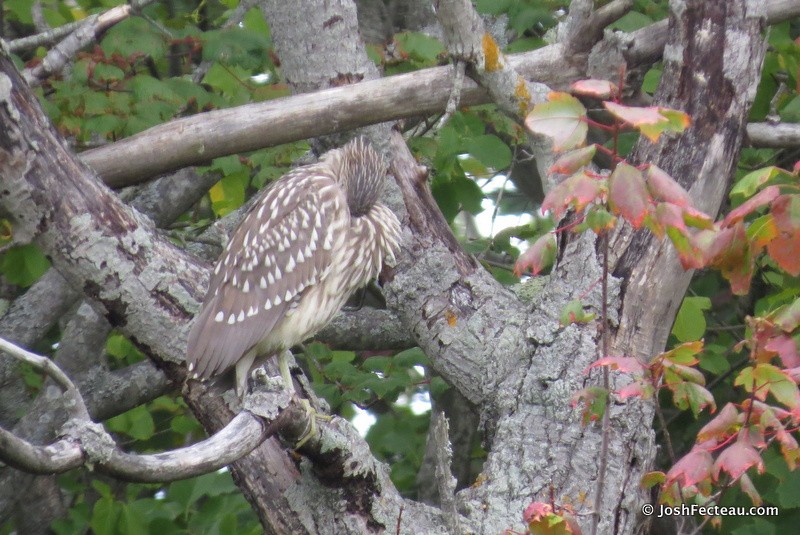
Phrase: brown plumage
(311, 239)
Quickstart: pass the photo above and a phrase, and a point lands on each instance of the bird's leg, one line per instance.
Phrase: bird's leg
(311, 412)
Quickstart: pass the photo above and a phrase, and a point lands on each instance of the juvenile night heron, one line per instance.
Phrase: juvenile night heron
(310, 240)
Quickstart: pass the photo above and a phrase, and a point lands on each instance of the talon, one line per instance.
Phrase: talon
(311, 428)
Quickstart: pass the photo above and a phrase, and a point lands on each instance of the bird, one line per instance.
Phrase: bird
(307, 243)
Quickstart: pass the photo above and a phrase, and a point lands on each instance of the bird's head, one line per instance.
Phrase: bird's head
(360, 170)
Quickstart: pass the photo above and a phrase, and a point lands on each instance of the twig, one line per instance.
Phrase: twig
(58, 57)
(606, 425)
(459, 68)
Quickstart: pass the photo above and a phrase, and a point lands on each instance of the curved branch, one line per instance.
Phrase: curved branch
(55, 458)
(241, 436)
(76, 404)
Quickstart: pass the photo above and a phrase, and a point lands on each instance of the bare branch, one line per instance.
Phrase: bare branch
(48, 366)
(585, 25)
(58, 57)
(774, 136)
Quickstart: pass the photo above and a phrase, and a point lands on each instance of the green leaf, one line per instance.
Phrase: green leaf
(748, 185)
(137, 423)
(105, 516)
(23, 265)
(104, 73)
(574, 313)
(420, 47)
(490, 150)
(690, 323)
(104, 124)
(411, 357)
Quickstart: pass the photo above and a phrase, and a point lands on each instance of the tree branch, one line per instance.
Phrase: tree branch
(190, 141)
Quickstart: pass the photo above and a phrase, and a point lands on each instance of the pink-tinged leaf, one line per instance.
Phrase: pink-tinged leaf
(651, 121)
(574, 160)
(763, 198)
(623, 364)
(721, 426)
(561, 118)
(737, 458)
(600, 89)
(769, 418)
(748, 488)
(639, 389)
(651, 479)
(786, 348)
(692, 468)
(664, 188)
(752, 182)
(576, 191)
(627, 194)
(787, 317)
(539, 256)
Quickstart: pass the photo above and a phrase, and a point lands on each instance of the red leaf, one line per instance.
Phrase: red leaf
(601, 89)
(737, 458)
(650, 121)
(762, 198)
(536, 511)
(785, 250)
(664, 188)
(634, 389)
(623, 364)
(731, 255)
(539, 256)
(577, 191)
(627, 194)
(786, 348)
(671, 215)
(721, 426)
(692, 468)
(572, 161)
(786, 211)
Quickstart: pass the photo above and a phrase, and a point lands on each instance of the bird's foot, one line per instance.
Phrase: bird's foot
(311, 428)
